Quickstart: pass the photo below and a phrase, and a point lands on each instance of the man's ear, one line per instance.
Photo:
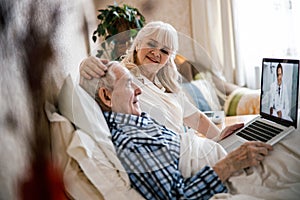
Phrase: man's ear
(105, 96)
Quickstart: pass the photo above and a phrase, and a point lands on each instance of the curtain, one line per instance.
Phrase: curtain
(268, 28)
(237, 34)
(212, 28)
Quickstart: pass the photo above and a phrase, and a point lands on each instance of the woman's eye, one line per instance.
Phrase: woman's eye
(151, 44)
(165, 51)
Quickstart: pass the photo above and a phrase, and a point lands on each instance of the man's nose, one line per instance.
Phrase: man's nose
(137, 89)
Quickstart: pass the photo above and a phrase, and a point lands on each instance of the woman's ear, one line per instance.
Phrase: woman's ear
(105, 96)
(137, 47)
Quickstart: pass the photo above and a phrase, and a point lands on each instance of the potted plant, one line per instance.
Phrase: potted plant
(114, 20)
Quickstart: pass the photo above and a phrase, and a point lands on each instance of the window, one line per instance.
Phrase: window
(265, 28)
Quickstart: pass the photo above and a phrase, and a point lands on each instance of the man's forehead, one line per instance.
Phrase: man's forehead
(121, 72)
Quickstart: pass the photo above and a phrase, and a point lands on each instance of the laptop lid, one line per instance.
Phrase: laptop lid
(279, 91)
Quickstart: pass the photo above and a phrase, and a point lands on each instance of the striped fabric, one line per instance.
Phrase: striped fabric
(149, 153)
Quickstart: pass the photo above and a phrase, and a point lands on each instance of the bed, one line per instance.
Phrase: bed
(81, 146)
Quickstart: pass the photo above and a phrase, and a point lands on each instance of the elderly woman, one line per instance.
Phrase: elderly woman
(151, 60)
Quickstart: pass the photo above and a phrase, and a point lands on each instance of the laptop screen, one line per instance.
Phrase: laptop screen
(279, 90)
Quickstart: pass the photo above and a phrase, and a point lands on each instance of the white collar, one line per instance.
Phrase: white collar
(134, 69)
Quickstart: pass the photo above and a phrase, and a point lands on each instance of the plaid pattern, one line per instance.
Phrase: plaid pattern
(150, 152)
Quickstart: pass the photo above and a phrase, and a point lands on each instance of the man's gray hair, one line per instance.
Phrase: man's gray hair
(92, 86)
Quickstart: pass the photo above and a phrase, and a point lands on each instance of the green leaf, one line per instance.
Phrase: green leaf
(94, 38)
(112, 7)
(100, 17)
(133, 32)
(116, 13)
(109, 20)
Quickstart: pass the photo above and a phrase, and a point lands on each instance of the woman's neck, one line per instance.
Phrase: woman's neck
(148, 74)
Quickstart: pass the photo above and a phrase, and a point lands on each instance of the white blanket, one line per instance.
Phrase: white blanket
(278, 177)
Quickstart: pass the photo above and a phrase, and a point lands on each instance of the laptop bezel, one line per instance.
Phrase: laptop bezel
(281, 121)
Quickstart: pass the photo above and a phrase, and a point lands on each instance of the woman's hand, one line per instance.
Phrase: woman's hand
(229, 130)
(247, 155)
(93, 67)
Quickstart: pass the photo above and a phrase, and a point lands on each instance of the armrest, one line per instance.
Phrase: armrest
(242, 101)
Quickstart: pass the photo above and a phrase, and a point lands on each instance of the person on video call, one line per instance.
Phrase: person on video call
(279, 103)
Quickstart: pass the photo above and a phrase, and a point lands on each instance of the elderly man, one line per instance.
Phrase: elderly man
(150, 153)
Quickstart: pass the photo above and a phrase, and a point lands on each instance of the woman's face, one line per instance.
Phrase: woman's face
(152, 55)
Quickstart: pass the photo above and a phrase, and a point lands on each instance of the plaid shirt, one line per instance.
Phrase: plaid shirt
(150, 152)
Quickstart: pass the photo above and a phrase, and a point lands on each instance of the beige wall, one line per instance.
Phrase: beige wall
(175, 12)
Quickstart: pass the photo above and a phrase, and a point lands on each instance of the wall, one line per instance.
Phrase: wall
(175, 12)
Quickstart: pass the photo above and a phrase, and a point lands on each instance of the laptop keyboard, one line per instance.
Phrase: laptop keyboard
(259, 131)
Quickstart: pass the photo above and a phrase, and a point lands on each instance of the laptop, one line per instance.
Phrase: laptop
(278, 105)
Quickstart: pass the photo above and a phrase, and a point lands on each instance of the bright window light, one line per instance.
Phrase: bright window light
(266, 28)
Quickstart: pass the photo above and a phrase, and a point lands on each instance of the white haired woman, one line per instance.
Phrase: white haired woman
(151, 60)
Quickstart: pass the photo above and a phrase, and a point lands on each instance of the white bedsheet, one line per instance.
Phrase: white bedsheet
(278, 177)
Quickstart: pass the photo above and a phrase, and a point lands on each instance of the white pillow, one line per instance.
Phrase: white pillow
(81, 109)
(91, 145)
(205, 84)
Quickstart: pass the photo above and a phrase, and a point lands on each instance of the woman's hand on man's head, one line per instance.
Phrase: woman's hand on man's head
(92, 67)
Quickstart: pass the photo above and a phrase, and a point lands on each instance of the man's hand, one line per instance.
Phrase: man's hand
(247, 155)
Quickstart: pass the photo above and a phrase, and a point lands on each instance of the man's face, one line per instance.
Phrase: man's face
(124, 98)
(279, 76)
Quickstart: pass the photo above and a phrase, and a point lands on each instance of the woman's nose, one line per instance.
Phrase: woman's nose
(155, 52)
